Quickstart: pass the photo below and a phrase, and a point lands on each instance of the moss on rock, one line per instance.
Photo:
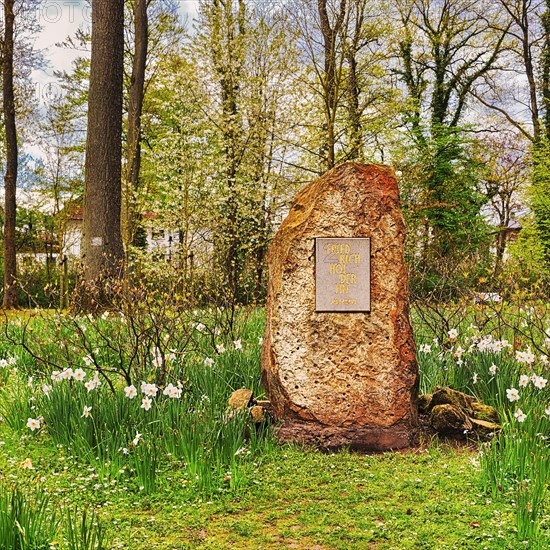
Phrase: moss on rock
(453, 413)
(484, 412)
(449, 419)
(448, 396)
(484, 429)
(424, 403)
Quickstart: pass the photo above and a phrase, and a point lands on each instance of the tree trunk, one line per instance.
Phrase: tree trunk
(135, 108)
(354, 43)
(355, 130)
(545, 68)
(10, 178)
(101, 241)
(531, 79)
(500, 250)
(331, 83)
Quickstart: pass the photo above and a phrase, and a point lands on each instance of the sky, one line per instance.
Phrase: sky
(60, 19)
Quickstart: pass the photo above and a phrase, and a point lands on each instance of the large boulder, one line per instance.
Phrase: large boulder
(339, 378)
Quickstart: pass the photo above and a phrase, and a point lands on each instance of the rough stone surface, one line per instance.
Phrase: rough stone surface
(240, 399)
(450, 420)
(424, 402)
(337, 379)
(257, 413)
(485, 412)
(484, 429)
(453, 413)
(448, 396)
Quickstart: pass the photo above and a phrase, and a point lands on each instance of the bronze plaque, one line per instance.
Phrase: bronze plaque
(342, 274)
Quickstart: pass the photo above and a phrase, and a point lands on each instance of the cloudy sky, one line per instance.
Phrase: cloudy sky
(60, 19)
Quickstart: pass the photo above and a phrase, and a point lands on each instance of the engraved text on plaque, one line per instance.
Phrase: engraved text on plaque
(342, 274)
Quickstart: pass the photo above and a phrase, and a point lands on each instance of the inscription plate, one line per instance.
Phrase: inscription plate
(342, 274)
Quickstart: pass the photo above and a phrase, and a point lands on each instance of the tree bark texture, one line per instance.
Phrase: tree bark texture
(135, 109)
(545, 68)
(352, 49)
(10, 177)
(102, 242)
(332, 73)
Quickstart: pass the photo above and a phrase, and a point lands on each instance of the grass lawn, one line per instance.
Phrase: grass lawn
(293, 498)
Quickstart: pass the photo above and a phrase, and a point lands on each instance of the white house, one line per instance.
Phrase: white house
(161, 241)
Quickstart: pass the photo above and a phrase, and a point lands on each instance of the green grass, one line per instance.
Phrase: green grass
(198, 478)
(293, 498)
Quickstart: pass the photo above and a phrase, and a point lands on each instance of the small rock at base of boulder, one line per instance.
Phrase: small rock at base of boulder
(448, 396)
(484, 412)
(484, 429)
(453, 413)
(240, 399)
(449, 420)
(257, 413)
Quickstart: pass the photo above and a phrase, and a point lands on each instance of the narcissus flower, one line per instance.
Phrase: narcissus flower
(56, 376)
(33, 423)
(130, 391)
(512, 394)
(525, 356)
(79, 375)
(520, 415)
(172, 392)
(67, 374)
(92, 384)
(149, 389)
(146, 403)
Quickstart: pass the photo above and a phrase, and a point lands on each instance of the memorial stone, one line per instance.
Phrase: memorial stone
(338, 358)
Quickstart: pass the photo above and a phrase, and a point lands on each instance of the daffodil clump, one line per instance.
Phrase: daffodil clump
(515, 464)
(176, 411)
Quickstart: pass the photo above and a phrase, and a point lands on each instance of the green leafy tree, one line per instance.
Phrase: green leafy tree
(352, 103)
(248, 60)
(444, 50)
(504, 158)
(154, 33)
(527, 24)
